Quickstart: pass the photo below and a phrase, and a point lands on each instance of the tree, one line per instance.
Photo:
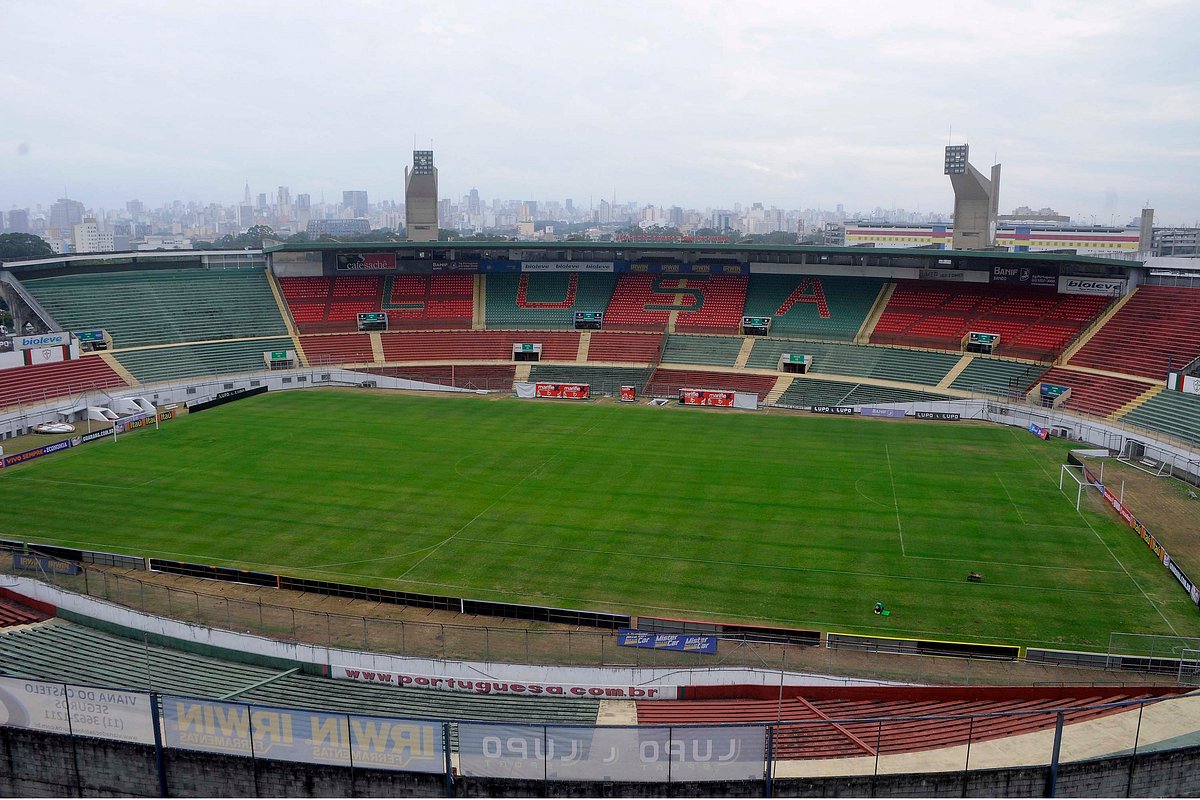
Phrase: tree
(23, 245)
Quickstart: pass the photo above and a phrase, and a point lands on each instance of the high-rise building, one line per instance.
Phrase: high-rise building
(303, 210)
(88, 238)
(135, 208)
(283, 201)
(64, 216)
(18, 220)
(354, 203)
(473, 206)
(976, 200)
(262, 201)
(420, 198)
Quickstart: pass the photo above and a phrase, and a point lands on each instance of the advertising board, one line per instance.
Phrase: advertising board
(831, 409)
(566, 266)
(562, 391)
(84, 711)
(41, 340)
(940, 416)
(706, 397)
(1039, 431)
(639, 754)
(491, 686)
(667, 641)
(314, 737)
(886, 413)
(365, 262)
(1038, 277)
(1111, 287)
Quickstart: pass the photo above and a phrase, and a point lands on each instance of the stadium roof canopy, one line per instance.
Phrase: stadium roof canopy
(811, 253)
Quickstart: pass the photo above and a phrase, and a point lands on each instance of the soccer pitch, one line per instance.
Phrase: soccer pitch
(782, 519)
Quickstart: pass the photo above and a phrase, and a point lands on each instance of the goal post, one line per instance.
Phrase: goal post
(1075, 473)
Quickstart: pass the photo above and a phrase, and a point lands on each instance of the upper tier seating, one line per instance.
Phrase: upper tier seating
(464, 376)
(477, 345)
(351, 348)
(52, 652)
(886, 363)
(711, 304)
(643, 348)
(186, 361)
(1159, 325)
(545, 299)
(332, 304)
(601, 380)
(806, 391)
(997, 376)
(163, 306)
(668, 382)
(42, 382)
(1094, 394)
(808, 306)
(1169, 412)
(1033, 323)
(717, 351)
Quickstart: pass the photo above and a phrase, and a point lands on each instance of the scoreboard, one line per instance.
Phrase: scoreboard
(755, 326)
(526, 351)
(589, 320)
(978, 342)
(793, 362)
(373, 321)
(91, 341)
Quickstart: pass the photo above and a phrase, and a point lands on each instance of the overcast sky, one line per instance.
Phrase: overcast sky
(1092, 107)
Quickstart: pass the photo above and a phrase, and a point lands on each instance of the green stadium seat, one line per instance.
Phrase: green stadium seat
(545, 300)
(607, 380)
(818, 307)
(997, 377)
(147, 307)
(716, 351)
(1168, 412)
(863, 361)
(186, 361)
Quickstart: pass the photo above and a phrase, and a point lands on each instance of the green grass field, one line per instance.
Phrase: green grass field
(797, 520)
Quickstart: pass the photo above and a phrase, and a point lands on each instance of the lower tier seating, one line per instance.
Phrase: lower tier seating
(1094, 394)
(40, 383)
(702, 303)
(351, 348)
(716, 351)
(477, 345)
(191, 360)
(668, 382)
(332, 304)
(642, 348)
(15, 613)
(863, 361)
(1169, 412)
(602, 380)
(806, 392)
(53, 652)
(997, 377)
(1158, 327)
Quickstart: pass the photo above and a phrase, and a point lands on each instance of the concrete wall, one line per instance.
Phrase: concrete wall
(35, 764)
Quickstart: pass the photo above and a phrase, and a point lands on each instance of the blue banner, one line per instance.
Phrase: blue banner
(888, 413)
(667, 641)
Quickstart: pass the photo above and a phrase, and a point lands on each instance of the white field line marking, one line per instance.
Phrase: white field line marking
(1100, 539)
(1020, 516)
(115, 487)
(895, 498)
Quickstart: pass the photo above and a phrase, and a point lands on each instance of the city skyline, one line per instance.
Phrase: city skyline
(698, 105)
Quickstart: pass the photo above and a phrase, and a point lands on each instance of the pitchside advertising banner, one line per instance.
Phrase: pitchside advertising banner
(488, 686)
(941, 416)
(644, 754)
(121, 426)
(84, 711)
(886, 413)
(831, 409)
(705, 397)
(1155, 546)
(562, 391)
(566, 266)
(311, 737)
(40, 340)
(667, 641)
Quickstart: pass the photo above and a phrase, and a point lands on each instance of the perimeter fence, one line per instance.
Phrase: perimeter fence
(207, 744)
(423, 633)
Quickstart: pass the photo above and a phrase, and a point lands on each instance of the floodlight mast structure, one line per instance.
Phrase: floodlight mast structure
(976, 200)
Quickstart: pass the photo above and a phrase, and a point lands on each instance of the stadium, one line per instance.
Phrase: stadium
(606, 518)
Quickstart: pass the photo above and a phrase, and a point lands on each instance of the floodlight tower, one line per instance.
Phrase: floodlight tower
(976, 200)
